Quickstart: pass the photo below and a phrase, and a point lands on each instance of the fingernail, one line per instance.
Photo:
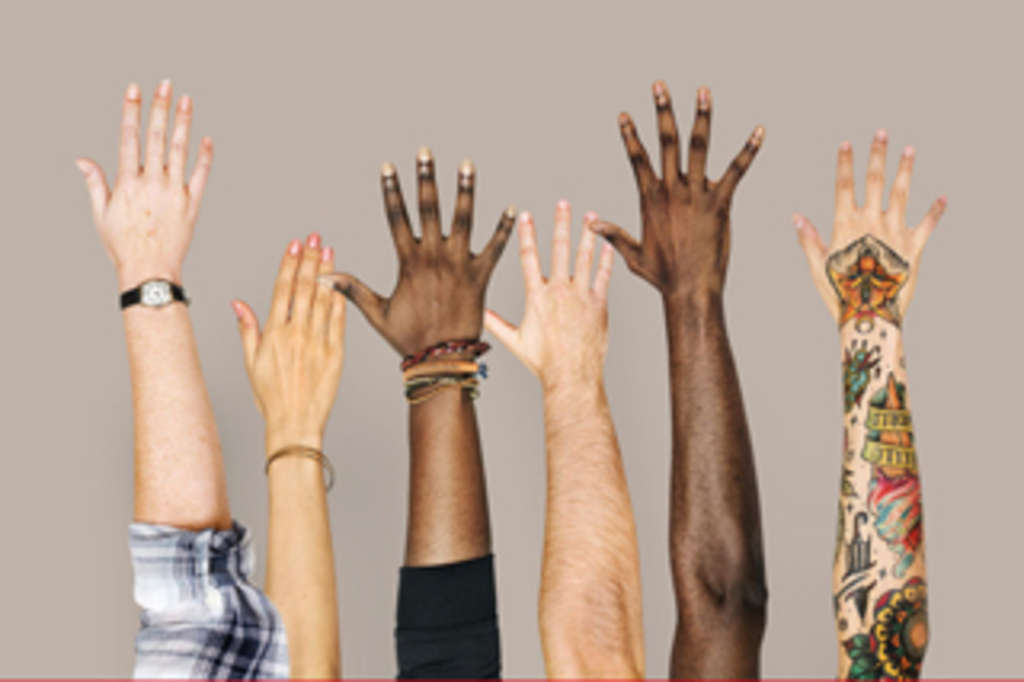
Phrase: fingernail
(466, 174)
(133, 91)
(185, 103)
(881, 135)
(235, 306)
(589, 217)
(387, 169)
(328, 254)
(908, 151)
(525, 217)
(943, 200)
(563, 205)
(623, 119)
(424, 155)
(660, 93)
(845, 146)
(82, 166)
(703, 98)
(510, 211)
(313, 241)
(757, 137)
(798, 220)
(295, 247)
(164, 88)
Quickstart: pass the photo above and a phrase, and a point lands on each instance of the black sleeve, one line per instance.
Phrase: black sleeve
(447, 621)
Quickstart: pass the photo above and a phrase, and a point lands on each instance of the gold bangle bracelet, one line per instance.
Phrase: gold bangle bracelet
(308, 453)
(434, 368)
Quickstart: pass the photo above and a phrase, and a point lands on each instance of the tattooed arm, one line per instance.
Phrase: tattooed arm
(440, 297)
(590, 602)
(717, 559)
(867, 278)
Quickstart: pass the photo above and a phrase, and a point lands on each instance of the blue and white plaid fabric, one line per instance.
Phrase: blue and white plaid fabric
(201, 617)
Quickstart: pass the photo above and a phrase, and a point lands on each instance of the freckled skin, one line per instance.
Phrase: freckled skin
(715, 529)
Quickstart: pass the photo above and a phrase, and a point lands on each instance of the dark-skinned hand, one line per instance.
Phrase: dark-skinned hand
(439, 295)
(684, 246)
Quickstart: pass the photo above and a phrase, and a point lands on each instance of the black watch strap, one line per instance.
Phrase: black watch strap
(134, 296)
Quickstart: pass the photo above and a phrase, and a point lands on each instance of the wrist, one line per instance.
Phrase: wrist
(282, 437)
(702, 302)
(574, 386)
(131, 277)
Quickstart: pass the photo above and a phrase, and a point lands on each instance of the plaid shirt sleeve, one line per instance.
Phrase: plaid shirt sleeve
(201, 617)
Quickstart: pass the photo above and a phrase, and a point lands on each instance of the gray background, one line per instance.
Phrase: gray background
(304, 101)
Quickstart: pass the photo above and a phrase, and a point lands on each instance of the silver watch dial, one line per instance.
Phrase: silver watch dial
(156, 293)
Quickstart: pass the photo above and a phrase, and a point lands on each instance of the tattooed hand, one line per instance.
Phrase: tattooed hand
(870, 269)
(146, 223)
(564, 333)
(684, 247)
(440, 291)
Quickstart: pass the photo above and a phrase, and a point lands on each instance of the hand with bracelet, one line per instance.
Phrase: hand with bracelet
(866, 277)
(439, 298)
(715, 526)
(294, 365)
(193, 621)
(590, 602)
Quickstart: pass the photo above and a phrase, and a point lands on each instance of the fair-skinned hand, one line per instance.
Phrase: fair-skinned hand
(146, 223)
(564, 333)
(856, 233)
(295, 363)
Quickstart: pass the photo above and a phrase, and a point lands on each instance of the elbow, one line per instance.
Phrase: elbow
(727, 587)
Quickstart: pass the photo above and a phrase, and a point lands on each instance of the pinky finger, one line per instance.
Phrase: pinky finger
(924, 230)
(336, 324)
(604, 271)
(197, 183)
(99, 194)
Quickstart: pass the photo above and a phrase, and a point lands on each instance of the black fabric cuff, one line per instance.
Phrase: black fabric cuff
(446, 595)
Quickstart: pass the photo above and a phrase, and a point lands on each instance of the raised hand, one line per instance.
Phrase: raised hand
(684, 247)
(564, 333)
(295, 363)
(870, 268)
(439, 295)
(146, 223)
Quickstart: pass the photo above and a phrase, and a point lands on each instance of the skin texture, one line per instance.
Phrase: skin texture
(715, 529)
(590, 599)
(866, 278)
(146, 225)
(294, 365)
(439, 296)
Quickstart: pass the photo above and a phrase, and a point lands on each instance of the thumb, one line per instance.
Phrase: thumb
(99, 195)
(816, 253)
(505, 332)
(249, 329)
(364, 298)
(628, 247)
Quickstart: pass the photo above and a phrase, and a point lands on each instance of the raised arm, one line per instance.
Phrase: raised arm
(146, 225)
(715, 543)
(447, 626)
(294, 365)
(590, 599)
(867, 277)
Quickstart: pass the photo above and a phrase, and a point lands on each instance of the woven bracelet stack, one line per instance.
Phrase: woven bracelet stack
(430, 371)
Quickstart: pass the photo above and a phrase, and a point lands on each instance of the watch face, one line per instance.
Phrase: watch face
(156, 293)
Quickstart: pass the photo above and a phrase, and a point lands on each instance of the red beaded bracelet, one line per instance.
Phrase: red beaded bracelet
(474, 346)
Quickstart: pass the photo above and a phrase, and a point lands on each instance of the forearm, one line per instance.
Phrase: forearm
(878, 578)
(715, 529)
(179, 473)
(300, 566)
(448, 520)
(590, 603)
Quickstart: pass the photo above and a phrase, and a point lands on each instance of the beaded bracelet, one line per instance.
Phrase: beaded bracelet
(438, 384)
(474, 346)
(308, 452)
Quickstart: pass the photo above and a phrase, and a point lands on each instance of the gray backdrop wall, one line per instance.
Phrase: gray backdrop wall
(304, 100)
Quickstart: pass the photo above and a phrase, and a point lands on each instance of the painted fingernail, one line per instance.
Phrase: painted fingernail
(164, 87)
(313, 241)
(295, 247)
(881, 135)
(328, 254)
(133, 91)
(908, 151)
(845, 146)
(703, 99)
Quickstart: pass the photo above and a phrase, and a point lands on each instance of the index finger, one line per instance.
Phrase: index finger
(128, 156)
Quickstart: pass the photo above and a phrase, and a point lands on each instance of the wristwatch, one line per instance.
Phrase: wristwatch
(153, 293)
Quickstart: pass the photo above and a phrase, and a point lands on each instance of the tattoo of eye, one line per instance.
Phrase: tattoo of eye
(867, 276)
(894, 494)
(895, 645)
(857, 366)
